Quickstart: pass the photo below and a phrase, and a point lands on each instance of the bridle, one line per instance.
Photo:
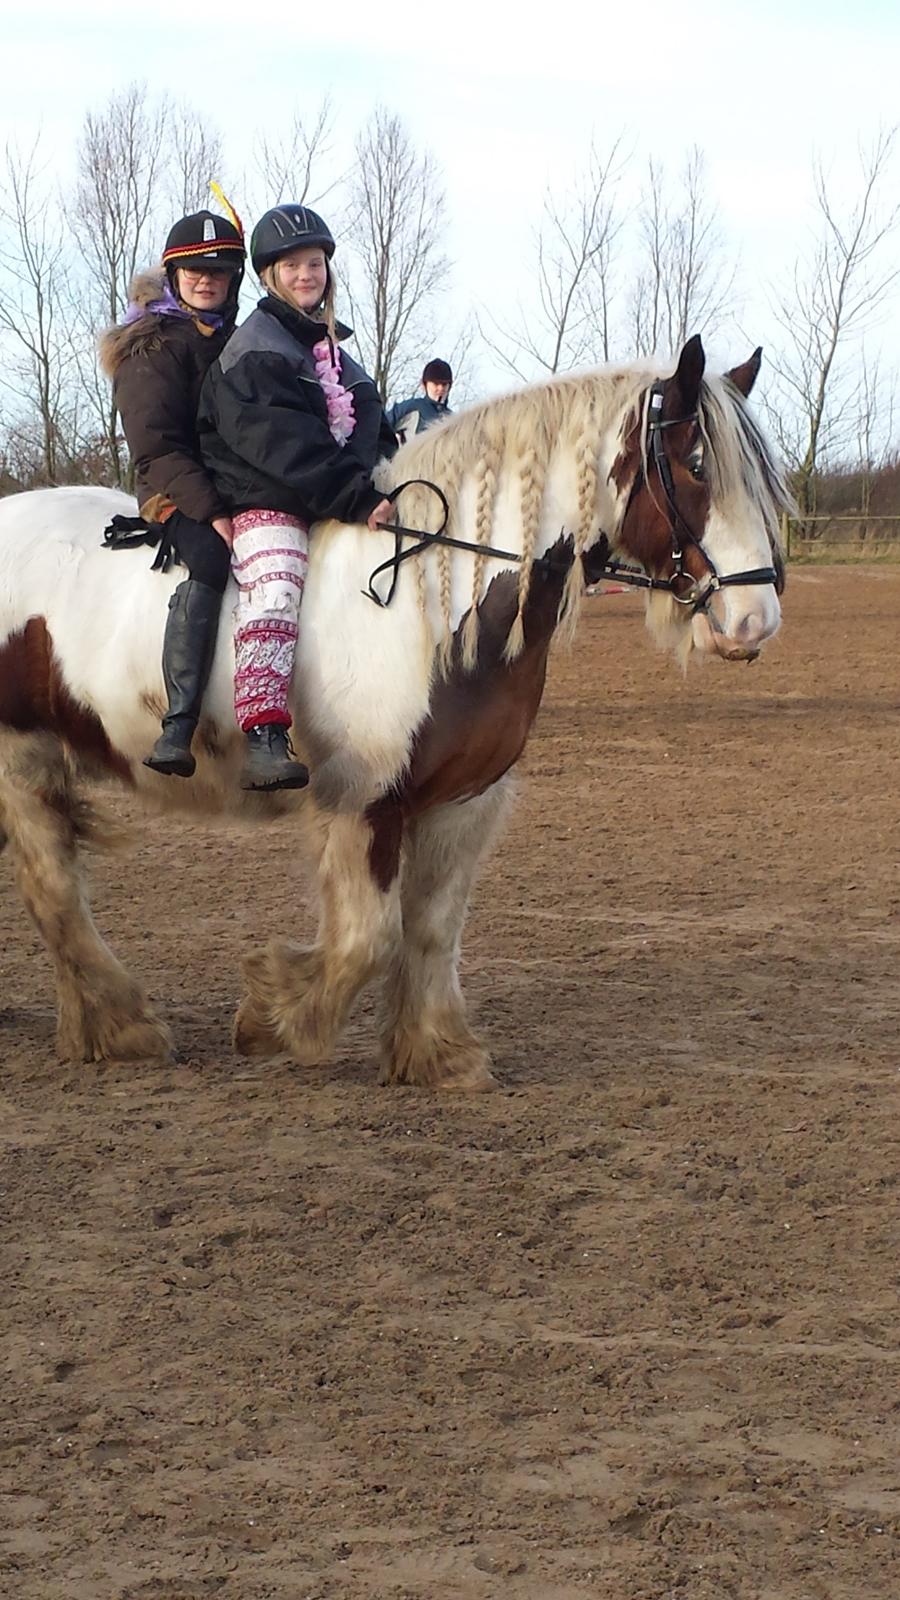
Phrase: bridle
(685, 590)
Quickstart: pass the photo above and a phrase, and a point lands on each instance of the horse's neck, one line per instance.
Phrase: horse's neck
(560, 497)
(565, 510)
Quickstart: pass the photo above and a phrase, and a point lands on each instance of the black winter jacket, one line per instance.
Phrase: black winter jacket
(158, 365)
(263, 423)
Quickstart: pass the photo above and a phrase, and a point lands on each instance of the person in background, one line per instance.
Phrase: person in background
(423, 411)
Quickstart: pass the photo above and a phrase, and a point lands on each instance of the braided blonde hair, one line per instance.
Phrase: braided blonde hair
(486, 475)
(587, 484)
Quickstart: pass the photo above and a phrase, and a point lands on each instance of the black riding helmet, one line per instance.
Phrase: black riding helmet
(205, 240)
(437, 371)
(288, 227)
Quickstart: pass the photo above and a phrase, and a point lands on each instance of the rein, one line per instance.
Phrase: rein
(394, 562)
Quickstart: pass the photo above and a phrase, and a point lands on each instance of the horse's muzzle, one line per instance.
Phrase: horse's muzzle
(738, 652)
(743, 644)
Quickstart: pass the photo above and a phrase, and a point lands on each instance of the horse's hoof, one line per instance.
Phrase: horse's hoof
(251, 1035)
(475, 1080)
(142, 1039)
(464, 1071)
(470, 1075)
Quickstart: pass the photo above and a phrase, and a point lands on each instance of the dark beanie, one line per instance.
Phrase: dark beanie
(437, 371)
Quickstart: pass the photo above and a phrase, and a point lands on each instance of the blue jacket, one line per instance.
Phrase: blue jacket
(429, 412)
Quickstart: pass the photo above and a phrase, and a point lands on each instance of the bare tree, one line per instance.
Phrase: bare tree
(647, 309)
(875, 441)
(123, 181)
(458, 346)
(684, 283)
(195, 156)
(397, 218)
(290, 167)
(122, 178)
(34, 263)
(21, 454)
(574, 249)
(837, 291)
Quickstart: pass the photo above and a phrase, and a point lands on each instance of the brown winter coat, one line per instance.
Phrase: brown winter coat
(157, 365)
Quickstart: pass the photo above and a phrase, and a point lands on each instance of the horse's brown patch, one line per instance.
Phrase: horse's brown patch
(34, 697)
(385, 818)
(480, 719)
(647, 526)
(625, 468)
(153, 703)
(647, 529)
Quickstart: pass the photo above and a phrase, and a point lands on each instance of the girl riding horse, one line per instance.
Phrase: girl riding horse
(178, 320)
(291, 428)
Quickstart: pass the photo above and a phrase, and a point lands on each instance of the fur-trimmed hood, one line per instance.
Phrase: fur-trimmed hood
(142, 334)
(127, 339)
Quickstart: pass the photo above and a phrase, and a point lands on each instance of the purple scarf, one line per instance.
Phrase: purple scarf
(168, 306)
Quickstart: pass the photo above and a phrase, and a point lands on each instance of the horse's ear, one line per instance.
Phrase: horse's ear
(745, 376)
(688, 374)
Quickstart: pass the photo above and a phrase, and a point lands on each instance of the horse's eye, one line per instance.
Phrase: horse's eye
(695, 468)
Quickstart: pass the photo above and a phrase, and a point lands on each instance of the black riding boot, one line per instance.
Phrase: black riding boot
(270, 762)
(188, 650)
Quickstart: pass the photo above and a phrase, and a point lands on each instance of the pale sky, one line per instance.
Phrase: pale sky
(507, 98)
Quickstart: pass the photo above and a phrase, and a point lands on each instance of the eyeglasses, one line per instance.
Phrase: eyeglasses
(195, 273)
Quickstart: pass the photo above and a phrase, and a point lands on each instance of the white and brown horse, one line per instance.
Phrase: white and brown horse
(412, 714)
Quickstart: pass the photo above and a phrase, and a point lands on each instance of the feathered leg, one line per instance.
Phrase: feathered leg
(102, 1010)
(296, 1000)
(425, 1038)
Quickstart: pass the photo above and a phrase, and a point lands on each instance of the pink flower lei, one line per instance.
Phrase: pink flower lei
(339, 401)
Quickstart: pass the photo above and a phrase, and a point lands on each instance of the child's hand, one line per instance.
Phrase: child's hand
(382, 513)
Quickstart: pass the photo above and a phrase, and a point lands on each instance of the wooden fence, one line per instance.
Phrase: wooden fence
(852, 537)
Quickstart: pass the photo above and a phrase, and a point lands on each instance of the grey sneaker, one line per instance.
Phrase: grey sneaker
(270, 762)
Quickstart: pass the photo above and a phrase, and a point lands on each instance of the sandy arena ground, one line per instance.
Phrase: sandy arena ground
(626, 1328)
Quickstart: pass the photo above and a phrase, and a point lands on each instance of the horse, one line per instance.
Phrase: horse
(412, 714)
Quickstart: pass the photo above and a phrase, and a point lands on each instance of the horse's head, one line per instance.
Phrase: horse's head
(700, 497)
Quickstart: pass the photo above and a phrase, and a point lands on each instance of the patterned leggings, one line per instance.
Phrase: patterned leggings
(269, 561)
